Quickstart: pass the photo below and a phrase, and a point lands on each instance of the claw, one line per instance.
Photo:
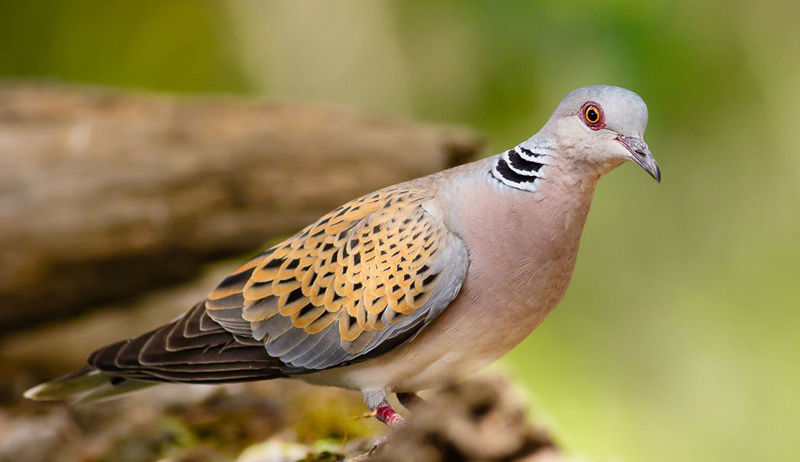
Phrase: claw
(377, 445)
(380, 442)
(384, 412)
(368, 415)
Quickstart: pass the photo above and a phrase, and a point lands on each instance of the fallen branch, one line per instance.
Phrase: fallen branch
(104, 194)
(475, 420)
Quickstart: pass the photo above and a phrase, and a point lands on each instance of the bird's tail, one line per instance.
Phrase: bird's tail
(84, 385)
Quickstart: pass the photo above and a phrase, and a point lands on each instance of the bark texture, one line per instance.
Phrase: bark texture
(475, 420)
(104, 194)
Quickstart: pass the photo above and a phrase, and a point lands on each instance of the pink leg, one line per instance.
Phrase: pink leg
(390, 417)
(387, 415)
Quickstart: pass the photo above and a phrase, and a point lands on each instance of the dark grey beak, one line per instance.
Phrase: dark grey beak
(640, 154)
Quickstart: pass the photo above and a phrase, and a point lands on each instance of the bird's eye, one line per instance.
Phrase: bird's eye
(592, 115)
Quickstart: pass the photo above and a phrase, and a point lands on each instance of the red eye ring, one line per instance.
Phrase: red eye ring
(592, 115)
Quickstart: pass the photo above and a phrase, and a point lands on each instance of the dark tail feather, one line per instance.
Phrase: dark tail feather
(85, 384)
(192, 349)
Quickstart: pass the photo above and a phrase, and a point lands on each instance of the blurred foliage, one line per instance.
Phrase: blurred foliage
(178, 46)
(678, 339)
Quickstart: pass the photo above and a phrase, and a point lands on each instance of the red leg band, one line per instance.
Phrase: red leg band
(387, 415)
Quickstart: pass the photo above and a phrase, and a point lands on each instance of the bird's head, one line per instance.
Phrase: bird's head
(601, 127)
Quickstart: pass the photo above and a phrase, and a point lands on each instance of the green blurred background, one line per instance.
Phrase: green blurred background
(680, 336)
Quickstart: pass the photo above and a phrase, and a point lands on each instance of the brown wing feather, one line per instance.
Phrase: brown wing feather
(193, 348)
(364, 274)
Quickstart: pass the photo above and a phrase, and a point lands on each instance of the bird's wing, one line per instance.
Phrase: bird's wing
(361, 280)
(192, 348)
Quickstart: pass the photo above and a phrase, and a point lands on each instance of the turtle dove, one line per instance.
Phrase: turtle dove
(404, 288)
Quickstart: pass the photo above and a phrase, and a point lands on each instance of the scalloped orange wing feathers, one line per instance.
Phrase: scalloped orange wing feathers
(362, 279)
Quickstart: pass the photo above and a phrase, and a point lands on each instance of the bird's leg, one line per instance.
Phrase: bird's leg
(390, 417)
(410, 400)
(381, 409)
(385, 413)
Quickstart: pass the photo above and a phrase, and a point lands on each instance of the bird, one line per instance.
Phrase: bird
(402, 289)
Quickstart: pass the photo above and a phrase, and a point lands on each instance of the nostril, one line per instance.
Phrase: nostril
(640, 153)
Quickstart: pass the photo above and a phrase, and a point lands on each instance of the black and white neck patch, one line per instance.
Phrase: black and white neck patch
(520, 168)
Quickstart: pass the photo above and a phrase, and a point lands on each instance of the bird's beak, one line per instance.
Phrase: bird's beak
(640, 154)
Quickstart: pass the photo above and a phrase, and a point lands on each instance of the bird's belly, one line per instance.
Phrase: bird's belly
(470, 334)
(518, 272)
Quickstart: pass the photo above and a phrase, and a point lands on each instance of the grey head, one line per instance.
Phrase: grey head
(600, 127)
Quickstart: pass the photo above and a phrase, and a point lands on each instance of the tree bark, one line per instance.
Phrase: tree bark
(104, 194)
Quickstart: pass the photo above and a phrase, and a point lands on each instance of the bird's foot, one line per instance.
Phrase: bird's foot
(386, 414)
(383, 411)
(380, 442)
(376, 446)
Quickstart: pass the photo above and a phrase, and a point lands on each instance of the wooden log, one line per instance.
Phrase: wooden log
(104, 194)
(476, 420)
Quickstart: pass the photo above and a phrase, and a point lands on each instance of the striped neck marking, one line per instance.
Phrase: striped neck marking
(520, 168)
